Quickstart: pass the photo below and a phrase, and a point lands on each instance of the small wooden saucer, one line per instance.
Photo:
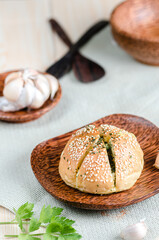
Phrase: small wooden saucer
(26, 115)
(45, 160)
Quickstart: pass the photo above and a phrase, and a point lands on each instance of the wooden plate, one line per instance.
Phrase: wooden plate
(45, 160)
(25, 115)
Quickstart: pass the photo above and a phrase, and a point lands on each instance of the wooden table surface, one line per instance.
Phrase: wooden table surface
(26, 40)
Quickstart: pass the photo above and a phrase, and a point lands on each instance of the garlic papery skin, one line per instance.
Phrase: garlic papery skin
(135, 232)
(27, 89)
(157, 161)
(53, 84)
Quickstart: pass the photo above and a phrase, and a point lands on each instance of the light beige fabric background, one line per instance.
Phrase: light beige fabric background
(129, 87)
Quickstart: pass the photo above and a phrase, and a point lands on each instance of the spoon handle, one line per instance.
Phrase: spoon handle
(85, 38)
(61, 33)
(89, 34)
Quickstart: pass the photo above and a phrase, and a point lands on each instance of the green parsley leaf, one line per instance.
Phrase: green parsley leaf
(66, 225)
(67, 229)
(54, 227)
(48, 236)
(73, 236)
(56, 211)
(63, 220)
(27, 237)
(61, 237)
(23, 213)
(69, 222)
(34, 224)
(20, 223)
(46, 214)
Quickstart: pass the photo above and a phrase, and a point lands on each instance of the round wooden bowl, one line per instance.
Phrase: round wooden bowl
(135, 27)
(26, 115)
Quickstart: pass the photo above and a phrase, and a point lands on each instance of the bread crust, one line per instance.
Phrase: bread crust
(101, 160)
(75, 151)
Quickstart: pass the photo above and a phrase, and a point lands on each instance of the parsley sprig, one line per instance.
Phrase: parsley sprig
(56, 227)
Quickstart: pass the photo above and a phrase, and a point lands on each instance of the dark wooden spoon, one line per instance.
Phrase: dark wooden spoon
(84, 69)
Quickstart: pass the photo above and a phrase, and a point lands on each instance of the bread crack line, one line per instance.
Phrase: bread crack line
(111, 160)
(85, 155)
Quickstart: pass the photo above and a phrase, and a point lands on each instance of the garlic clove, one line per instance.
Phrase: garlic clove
(25, 99)
(157, 161)
(38, 100)
(7, 106)
(134, 232)
(12, 76)
(26, 96)
(53, 82)
(13, 90)
(30, 92)
(43, 86)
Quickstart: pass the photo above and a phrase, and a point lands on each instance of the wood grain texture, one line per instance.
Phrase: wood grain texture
(75, 16)
(25, 35)
(45, 160)
(135, 27)
(6, 216)
(11, 229)
(26, 115)
(87, 70)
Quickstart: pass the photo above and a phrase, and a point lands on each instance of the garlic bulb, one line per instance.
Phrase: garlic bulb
(135, 232)
(27, 88)
(157, 161)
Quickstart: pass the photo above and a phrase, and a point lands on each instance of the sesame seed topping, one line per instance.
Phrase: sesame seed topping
(87, 154)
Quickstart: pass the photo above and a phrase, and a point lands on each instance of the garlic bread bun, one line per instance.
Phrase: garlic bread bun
(101, 160)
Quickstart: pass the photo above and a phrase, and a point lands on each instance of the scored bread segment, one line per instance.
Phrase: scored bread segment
(128, 156)
(95, 173)
(75, 151)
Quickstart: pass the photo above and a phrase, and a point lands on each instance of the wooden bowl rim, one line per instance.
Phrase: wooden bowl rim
(41, 111)
(122, 32)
